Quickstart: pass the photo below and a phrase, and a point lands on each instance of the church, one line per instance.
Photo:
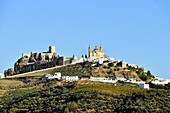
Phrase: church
(96, 53)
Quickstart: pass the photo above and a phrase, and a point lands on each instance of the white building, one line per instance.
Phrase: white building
(145, 86)
(131, 80)
(160, 82)
(80, 60)
(100, 60)
(57, 75)
(70, 78)
(133, 65)
(120, 79)
(2, 75)
(103, 79)
(111, 59)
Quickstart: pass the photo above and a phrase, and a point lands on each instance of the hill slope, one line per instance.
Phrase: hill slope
(86, 69)
(85, 98)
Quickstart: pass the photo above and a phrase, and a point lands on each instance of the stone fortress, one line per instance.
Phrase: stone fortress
(49, 55)
(32, 60)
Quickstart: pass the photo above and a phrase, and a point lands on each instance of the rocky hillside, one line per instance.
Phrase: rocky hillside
(105, 70)
(111, 70)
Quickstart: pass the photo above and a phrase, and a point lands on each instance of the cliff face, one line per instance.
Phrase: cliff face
(113, 72)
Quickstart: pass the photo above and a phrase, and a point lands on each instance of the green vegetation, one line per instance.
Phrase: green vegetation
(77, 69)
(86, 69)
(109, 88)
(85, 98)
(141, 73)
(166, 86)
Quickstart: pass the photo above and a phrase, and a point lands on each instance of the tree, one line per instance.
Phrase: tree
(143, 76)
(73, 106)
(140, 71)
(6, 73)
(66, 110)
(85, 55)
(9, 72)
(149, 73)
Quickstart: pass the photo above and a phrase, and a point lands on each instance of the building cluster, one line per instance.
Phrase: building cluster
(40, 60)
(58, 76)
(160, 81)
(51, 55)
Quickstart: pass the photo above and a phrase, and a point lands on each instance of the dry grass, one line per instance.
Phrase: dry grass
(2, 92)
(33, 74)
(10, 83)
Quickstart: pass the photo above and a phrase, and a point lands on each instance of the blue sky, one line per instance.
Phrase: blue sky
(136, 31)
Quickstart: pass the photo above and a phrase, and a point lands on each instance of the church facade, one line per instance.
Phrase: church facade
(96, 53)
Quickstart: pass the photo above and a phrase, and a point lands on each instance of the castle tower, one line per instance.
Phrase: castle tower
(101, 48)
(90, 51)
(52, 49)
(89, 48)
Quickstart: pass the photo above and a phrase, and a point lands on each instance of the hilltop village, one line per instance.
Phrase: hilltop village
(41, 60)
(98, 66)
(47, 82)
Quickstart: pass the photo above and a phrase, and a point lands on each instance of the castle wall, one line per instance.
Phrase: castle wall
(43, 55)
(50, 55)
(26, 55)
(61, 60)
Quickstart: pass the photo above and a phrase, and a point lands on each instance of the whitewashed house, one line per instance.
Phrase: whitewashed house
(120, 79)
(133, 65)
(96, 78)
(160, 82)
(131, 80)
(111, 59)
(2, 76)
(145, 86)
(103, 79)
(57, 75)
(80, 60)
(70, 78)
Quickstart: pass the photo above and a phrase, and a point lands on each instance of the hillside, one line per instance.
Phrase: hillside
(86, 69)
(93, 97)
